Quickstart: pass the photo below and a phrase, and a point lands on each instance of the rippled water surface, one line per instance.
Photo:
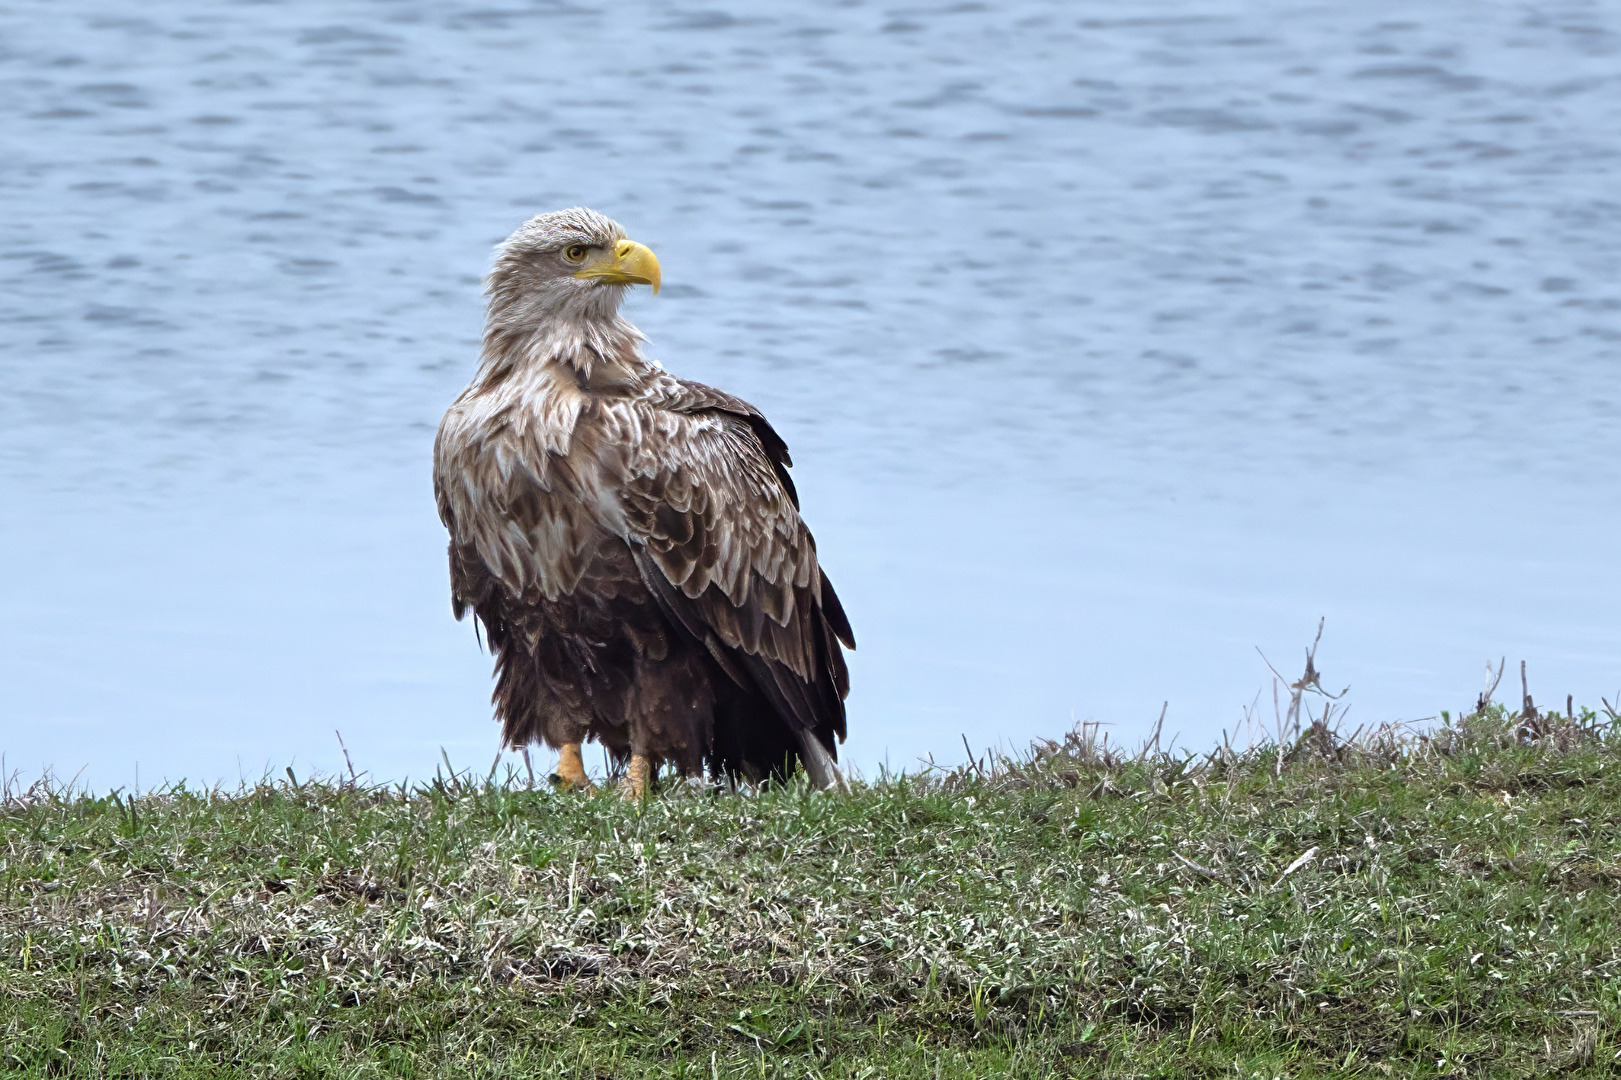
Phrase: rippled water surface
(1110, 348)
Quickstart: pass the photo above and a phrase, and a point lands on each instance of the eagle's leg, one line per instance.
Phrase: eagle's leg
(634, 785)
(570, 774)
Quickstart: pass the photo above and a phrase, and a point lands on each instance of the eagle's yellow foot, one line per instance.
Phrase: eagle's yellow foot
(634, 785)
(570, 774)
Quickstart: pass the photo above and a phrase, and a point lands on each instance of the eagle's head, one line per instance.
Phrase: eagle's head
(569, 267)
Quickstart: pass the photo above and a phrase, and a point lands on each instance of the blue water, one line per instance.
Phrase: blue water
(1111, 349)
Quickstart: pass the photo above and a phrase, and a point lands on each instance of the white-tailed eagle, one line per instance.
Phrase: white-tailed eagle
(630, 541)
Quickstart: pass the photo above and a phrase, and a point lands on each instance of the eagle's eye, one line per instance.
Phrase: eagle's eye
(574, 253)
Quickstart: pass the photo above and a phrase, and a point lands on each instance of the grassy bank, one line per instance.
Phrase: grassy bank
(1396, 906)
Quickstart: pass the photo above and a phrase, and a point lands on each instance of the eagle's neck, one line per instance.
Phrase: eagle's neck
(599, 349)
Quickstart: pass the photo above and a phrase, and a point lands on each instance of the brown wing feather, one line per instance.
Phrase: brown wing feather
(696, 397)
(686, 396)
(717, 522)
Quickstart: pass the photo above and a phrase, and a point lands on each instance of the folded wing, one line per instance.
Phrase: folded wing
(714, 523)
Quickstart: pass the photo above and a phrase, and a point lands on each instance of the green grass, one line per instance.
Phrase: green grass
(1071, 913)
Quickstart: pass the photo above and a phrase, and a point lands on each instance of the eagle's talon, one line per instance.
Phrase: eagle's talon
(634, 785)
(570, 774)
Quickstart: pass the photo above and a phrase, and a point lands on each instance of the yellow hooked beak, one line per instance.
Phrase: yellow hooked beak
(629, 263)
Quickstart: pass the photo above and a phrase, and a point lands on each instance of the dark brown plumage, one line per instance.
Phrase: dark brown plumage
(631, 542)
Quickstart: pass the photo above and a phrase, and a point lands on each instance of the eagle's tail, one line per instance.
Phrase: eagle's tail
(818, 763)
